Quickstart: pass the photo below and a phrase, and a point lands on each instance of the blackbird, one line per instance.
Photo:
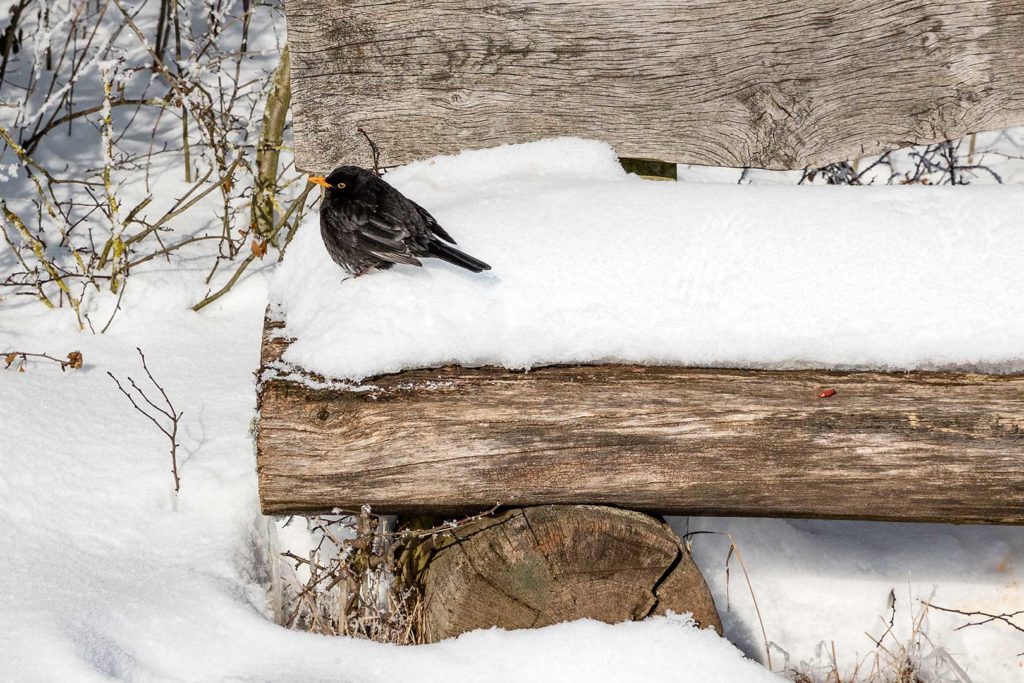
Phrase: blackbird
(366, 223)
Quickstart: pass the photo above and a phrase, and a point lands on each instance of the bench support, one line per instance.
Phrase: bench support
(533, 567)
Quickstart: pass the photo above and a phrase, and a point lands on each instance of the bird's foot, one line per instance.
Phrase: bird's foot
(359, 273)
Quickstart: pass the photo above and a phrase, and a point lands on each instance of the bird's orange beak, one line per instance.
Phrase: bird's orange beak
(319, 180)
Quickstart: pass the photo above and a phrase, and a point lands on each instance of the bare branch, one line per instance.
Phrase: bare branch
(170, 430)
(978, 618)
(73, 360)
(373, 150)
(299, 201)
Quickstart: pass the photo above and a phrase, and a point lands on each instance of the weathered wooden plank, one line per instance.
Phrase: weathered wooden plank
(763, 83)
(909, 446)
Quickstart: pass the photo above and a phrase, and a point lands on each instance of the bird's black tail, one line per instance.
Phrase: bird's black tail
(454, 256)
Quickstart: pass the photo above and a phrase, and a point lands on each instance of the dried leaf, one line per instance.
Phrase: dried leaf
(259, 248)
(75, 359)
(10, 358)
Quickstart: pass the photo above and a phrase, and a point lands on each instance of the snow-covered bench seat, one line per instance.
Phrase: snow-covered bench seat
(658, 346)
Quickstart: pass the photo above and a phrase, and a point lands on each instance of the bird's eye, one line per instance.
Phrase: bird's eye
(339, 186)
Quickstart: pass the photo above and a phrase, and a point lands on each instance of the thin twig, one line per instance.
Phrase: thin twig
(173, 417)
(299, 201)
(73, 361)
(983, 617)
(735, 550)
(373, 150)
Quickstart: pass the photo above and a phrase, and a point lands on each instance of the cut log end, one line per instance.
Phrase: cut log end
(533, 567)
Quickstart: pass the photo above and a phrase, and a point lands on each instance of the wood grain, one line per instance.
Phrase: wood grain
(533, 567)
(762, 83)
(909, 446)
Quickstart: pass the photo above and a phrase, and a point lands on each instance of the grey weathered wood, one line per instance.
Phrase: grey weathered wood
(767, 83)
(911, 446)
(538, 566)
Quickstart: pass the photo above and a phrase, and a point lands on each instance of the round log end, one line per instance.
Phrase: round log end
(532, 567)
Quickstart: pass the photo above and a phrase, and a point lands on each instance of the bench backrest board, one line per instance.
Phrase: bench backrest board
(742, 83)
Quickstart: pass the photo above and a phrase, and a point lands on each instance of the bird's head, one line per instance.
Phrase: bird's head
(340, 178)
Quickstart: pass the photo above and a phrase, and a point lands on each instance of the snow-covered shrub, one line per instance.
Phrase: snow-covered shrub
(354, 574)
(130, 132)
(896, 658)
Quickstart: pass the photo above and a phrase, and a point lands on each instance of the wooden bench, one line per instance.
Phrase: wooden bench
(779, 84)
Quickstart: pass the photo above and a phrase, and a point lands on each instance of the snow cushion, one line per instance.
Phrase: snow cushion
(593, 265)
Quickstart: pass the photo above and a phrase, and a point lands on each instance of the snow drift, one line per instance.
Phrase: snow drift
(593, 265)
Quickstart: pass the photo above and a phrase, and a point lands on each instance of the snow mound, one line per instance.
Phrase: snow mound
(668, 648)
(593, 265)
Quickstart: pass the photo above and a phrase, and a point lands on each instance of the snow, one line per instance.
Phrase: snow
(593, 265)
(821, 585)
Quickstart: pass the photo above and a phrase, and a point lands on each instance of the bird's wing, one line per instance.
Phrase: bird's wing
(431, 223)
(380, 228)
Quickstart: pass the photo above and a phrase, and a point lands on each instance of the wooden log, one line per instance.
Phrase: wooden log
(538, 566)
(937, 447)
(762, 83)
